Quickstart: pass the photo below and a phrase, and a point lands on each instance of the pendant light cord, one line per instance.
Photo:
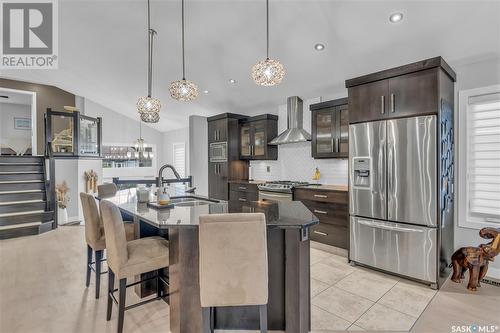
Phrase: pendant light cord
(267, 28)
(182, 29)
(150, 53)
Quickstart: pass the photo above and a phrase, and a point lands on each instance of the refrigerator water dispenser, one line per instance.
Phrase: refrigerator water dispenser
(361, 167)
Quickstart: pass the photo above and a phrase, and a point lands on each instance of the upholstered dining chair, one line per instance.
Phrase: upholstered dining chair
(106, 190)
(129, 259)
(94, 235)
(233, 264)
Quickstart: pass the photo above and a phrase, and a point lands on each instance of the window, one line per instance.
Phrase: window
(179, 158)
(479, 157)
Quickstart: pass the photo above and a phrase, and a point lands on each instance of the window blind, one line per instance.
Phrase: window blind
(483, 158)
(179, 158)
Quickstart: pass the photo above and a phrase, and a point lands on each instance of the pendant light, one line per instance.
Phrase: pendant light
(183, 90)
(268, 72)
(140, 145)
(149, 107)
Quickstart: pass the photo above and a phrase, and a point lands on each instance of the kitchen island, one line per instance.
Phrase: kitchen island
(288, 255)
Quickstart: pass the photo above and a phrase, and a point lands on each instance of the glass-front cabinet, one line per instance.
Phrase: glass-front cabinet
(71, 134)
(330, 129)
(255, 134)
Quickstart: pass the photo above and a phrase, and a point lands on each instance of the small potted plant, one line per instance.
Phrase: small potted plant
(62, 192)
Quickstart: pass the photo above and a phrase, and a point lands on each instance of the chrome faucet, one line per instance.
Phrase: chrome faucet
(160, 177)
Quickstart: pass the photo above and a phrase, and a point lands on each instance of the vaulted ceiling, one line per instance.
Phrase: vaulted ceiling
(103, 44)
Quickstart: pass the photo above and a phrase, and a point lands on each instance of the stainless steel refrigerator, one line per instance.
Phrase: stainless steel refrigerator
(396, 176)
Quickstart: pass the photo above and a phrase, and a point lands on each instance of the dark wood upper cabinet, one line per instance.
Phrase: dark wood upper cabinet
(255, 135)
(368, 102)
(217, 130)
(405, 91)
(330, 129)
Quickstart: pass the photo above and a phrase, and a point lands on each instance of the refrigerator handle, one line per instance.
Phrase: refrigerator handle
(384, 226)
(390, 171)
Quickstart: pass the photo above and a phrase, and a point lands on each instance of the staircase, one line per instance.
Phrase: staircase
(24, 208)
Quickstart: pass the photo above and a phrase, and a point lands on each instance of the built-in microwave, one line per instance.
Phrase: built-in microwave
(218, 152)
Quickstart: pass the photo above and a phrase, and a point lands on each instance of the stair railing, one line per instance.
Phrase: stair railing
(50, 182)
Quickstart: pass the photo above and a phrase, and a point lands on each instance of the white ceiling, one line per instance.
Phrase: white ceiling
(103, 48)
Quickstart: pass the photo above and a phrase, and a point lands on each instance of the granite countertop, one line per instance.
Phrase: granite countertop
(325, 187)
(242, 181)
(278, 214)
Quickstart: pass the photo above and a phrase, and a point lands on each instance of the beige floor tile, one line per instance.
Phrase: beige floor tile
(342, 303)
(408, 297)
(368, 284)
(318, 255)
(317, 287)
(382, 318)
(455, 305)
(328, 274)
(322, 320)
(355, 328)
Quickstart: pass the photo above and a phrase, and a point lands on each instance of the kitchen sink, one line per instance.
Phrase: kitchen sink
(190, 201)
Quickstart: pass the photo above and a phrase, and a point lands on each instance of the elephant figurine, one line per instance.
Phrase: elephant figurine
(475, 259)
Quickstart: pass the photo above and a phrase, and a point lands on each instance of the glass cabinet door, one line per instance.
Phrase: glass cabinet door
(61, 132)
(245, 141)
(88, 136)
(343, 130)
(325, 120)
(259, 138)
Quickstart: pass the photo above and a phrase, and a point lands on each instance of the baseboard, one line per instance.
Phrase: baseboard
(493, 273)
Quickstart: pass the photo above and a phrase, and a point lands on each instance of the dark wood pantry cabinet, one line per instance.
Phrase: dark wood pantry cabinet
(410, 90)
(330, 129)
(223, 154)
(255, 135)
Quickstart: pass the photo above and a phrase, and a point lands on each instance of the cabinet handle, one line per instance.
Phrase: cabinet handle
(241, 199)
(393, 106)
(215, 168)
(320, 212)
(320, 233)
(242, 188)
(320, 196)
(338, 145)
(382, 104)
(333, 144)
(250, 149)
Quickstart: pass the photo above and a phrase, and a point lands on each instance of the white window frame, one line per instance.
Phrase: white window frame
(462, 151)
(183, 144)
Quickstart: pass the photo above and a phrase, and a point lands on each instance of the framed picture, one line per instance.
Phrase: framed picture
(22, 123)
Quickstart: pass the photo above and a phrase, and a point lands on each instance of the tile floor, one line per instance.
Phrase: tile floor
(42, 290)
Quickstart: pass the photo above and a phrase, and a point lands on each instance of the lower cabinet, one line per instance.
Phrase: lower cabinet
(331, 208)
(243, 191)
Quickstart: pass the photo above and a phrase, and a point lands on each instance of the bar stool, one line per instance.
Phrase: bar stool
(106, 190)
(233, 264)
(94, 235)
(129, 259)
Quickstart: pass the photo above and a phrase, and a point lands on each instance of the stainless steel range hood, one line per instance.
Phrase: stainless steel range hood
(294, 132)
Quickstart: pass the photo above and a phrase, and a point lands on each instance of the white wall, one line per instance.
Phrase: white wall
(295, 161)
(470, 76)
(117, 128)
(169, 138)
(8, 134)
(198, 153)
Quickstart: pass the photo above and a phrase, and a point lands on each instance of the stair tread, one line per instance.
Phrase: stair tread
(22, 213)
(21, 191)
(19, 226)
(20, 172)
(21, 202)
(21, 181)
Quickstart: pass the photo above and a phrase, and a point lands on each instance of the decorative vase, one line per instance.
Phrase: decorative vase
(62, 216)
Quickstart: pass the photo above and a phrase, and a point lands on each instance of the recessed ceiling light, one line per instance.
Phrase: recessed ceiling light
(233, 81)
(206, 92)
(396, 17)
(319, 47)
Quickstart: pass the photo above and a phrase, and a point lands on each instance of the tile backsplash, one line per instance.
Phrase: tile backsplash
(295, 163)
